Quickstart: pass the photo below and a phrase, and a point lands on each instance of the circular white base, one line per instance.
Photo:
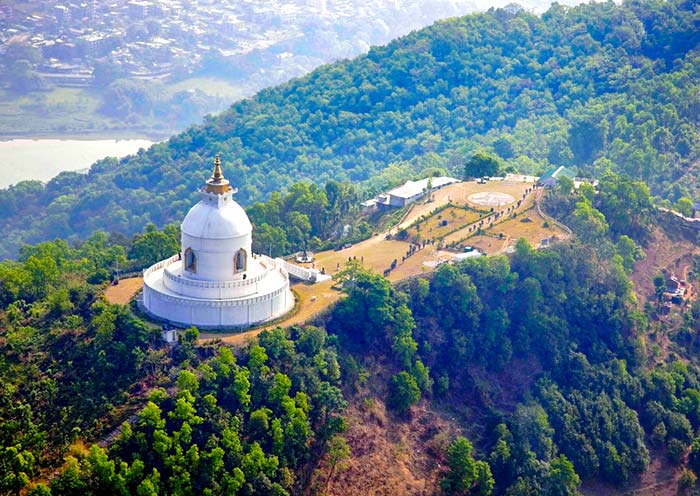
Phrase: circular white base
(265, 299)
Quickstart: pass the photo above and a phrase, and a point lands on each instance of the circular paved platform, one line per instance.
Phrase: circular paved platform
(490, 199)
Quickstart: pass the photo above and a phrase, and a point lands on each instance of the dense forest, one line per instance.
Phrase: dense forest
(594, 403)
(199, 420)
(596, 86)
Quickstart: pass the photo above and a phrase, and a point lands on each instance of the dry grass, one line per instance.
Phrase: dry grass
(388, 457)
(487, 244)
(661, 253)
(122, 293)
(532, 229)
(313, 299)
(376, 253)
(432, 227)
(660, 479)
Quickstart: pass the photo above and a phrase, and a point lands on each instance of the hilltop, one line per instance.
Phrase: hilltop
(541, 371)
(595, 86)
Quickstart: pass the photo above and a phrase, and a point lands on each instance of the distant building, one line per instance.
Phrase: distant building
(520, 178)
(409, 192)
(139, 10)
(99, 44)
(551, 177)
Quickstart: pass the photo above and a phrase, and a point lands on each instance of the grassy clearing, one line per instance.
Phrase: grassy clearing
(452, 218)
(529, 226)
(60, 111)
(458, 195)
(122, 293)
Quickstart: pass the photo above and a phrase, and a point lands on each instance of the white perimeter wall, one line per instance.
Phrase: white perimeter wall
(218, 314)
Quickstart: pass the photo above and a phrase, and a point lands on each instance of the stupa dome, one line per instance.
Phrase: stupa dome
(211, 221)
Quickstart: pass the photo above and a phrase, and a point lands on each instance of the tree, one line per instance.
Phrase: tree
(16, 468)
(105, 72)
(629, 251)
(684, 206)
(562, 479)
(191, 334)
(39, 490)
(676, 451)
(403, 392)
(694, 456)
(465, 475)
(626, 204)
(338, 452)
(659, 286)
(369, 295)
(482, 164)
(24, 78)
(686, 480)
(565, 185)
(153, 245)
(589, 223)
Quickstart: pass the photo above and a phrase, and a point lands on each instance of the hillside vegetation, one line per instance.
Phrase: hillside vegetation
(542, 361)
(597, 86)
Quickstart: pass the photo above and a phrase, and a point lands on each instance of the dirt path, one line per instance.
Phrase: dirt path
(459, 193)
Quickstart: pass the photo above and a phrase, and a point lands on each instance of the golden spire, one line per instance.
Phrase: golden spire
(218, 175)
(217, 183)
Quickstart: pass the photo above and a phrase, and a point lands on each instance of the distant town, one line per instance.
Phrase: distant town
(84, 43)
(150, 68)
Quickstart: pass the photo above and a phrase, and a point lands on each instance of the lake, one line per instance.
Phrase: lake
(43, 159)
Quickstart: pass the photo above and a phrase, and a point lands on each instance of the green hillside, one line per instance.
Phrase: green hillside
(531, 374)
(597, 86)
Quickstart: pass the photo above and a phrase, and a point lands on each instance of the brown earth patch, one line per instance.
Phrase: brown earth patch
(389, 456)
(661, 252)
(122, 293)
(660, 479)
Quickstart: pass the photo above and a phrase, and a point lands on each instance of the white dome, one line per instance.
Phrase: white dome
(209, 222)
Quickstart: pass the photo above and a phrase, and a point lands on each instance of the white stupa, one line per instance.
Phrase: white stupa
(216, 282)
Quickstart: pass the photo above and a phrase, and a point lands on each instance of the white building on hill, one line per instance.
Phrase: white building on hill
(216, 281)
(410, 191)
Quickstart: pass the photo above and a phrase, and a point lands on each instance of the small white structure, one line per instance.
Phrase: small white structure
(410, 191)
(458, 257)
(216, 282)
(169, 335)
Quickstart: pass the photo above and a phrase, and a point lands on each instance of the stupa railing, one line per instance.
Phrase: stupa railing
(161, 264)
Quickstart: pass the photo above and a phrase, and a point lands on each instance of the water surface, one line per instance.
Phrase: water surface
(43, 159)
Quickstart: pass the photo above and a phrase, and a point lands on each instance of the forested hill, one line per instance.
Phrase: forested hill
(596, 86)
